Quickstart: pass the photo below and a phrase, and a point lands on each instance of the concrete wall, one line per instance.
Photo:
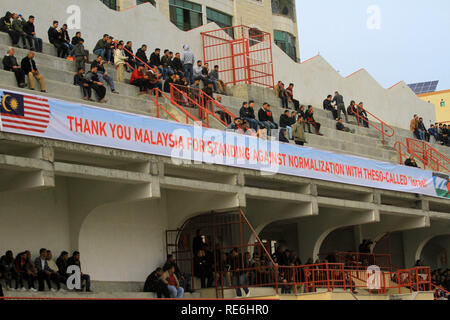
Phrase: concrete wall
(339, 240)
(35, 219)
(434, 98)
(314, 79)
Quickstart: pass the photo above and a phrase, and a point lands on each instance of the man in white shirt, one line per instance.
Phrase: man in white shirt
(55, 276)
(119, 62)
(43, 271)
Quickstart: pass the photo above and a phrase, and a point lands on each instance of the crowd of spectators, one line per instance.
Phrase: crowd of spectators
(439, 131)
(43, 269)
(441, 278)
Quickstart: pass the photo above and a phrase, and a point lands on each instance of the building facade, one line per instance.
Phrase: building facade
(441, 102)
(278, 17)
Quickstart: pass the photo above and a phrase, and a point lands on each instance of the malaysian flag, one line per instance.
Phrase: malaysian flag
(24, 112)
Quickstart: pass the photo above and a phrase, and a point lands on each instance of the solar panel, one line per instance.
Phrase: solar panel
(424, 87)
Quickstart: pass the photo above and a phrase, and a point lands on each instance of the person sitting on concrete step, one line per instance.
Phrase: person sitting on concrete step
(10, 64)
(29, 68)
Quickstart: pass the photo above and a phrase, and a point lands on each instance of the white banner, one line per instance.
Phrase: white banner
(67, 121)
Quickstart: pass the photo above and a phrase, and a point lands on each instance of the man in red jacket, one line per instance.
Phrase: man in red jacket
(139, 79)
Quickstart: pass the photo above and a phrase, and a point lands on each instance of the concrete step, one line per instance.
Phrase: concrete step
(70, 91)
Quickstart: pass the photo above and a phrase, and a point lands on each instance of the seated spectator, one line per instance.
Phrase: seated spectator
(362, 115)
(170, 279)
(10, 64)
(444, 135)
(66, 38)
(282, 136)
(29, 68)
(432, 131)
(293, 118)
(285, 122)
(414, 128)
(21, 273)
(340, 126)
(177, 65)
(183, 278)
(290, 95)
(198, 72)
(170, 80)
(421, 127)
(55, 37)
(75, 260)
(128, 51)
(119, 62)
(327, 105)
(17, 25)
(214, 76)
(245, 129)
(153, 283)
(411, 162)
(155, 59)
(166, 63)
(43, 270)
(55, 276)
(351, 109)
(141, 55)
(280, 92)
(266, 119)
(6, 26)
(196, 83)
(154, 78)
(7, 268)
(224, 116)
(62, 264)
(96, 85)
(209, 89)
(248, 114)
(238, 266)
(85, 84)
(310, 119)
(103, 75)
(31, 272)
(102, 48)
(35, 42)
(235, 125)
(298, 131)
(140, 79)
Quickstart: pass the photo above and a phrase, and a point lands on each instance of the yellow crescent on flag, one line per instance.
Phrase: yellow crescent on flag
(4, 104)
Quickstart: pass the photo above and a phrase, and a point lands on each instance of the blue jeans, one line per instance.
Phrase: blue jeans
(269, 126)
(166, 72)
(102, 78)
(188, 70)
(289, 130)
(253, 123)
(176, 293)
(34, 42)
(88, 281)
(241, 280)
(106, 54)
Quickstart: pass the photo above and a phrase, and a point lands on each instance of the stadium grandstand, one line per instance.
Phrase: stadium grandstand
(208, 163)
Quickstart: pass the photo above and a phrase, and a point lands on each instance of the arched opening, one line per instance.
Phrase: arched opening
(435, 252)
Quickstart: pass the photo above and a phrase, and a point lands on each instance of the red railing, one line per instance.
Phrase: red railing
(182, 98)
(430, 156)
(414, 279)
(155, 99)
(243, 54)
(385, 129)
(440, 292)
(400, 147)
(357, 260)
(207, 102)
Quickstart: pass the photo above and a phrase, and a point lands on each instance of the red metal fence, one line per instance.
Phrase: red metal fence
(243, 54)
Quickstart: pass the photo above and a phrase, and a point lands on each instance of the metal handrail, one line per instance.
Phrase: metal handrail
(431, 157)
(383, 124)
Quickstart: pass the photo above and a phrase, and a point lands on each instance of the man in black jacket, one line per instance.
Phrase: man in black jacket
(29, 68)
(340, 106)
(10, 64)
(128, 50)
(142, 55)
(6, 26)
(177, 65)
(285, 122)
(327, 105)
(35, 42)
(155, 59)
(85, 85)
(266, 118)
(75, 260)
(248, 114)
(55, 37)
(153, 283)
(96, 85)
(238, 263)
(411, 162)
(102, 75)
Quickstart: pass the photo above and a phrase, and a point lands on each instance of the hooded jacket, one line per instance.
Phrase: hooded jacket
(188, 55)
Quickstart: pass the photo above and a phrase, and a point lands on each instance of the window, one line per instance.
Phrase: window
(112, 4)
(284, 8)
(223, 20)
(152, 2)
(442, 103)
(286, 42)
(185, 15)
